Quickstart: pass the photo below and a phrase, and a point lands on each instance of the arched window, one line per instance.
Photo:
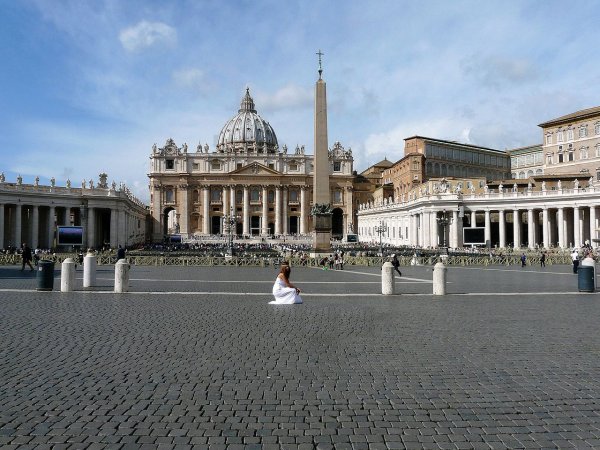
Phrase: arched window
(169, 196)
(271, 196)
(239, 195)
(293, 195)
(215, 195)
(254, 195)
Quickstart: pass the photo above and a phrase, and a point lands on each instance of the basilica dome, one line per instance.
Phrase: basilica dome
(247, 131)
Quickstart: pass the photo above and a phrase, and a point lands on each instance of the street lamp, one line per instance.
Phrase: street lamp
(229, 225)
(380, 230)
(443, 220)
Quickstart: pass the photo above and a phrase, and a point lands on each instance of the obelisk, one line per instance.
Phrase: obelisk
(321, 210)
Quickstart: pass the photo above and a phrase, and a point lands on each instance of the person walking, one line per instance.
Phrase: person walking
(543, 259)
(523, 260)
(26, 256)
(396, 264)
(575, 258)
(120, 253)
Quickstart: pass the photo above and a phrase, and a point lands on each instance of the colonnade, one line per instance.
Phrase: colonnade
(36, 224)
(563, 225)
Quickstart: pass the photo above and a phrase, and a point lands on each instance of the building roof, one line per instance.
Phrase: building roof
(383, 163)
(581, 114)
(442, 141)
(527, 149)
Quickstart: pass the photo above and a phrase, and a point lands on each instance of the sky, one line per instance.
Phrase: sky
(89, 86)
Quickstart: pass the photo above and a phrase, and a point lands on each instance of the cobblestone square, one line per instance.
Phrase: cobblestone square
(194, 357)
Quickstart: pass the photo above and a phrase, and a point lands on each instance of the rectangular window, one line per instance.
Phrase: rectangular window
(570, 134)
(169, 164)
(337, 197)
(195, 166)
(571, 156)
(293, 167)
(548, 139)
(560, 157)
(582, 132)
(215, 165)
(238, 165)
(597, 128)
(293, 196)
(559, 136)
(337, 166)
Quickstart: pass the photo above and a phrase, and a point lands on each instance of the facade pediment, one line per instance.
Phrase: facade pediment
(254, 169)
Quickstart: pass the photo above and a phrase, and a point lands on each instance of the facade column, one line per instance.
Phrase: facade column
(265, 211)
(530, 232)
(284, 210)
(35, 227)
(51, 226)
(545, 228)
(205, 210)
(593, 226)
(91, 231)
(425, 227)
(1, 226)
(66, 219)
(232, 199)
(225, 198)
(184, 216)
(414, 231)
(303, 208)
(473, 218)
(278, 210)
(576, 227)
(453, 238)
(560, 221)
(246, 210)
(488, 228)
(114, 221)
(17, 233)
(516, 229)
(502, 228)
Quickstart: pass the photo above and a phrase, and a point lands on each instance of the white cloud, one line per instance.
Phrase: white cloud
(146, 34)
(290, 96)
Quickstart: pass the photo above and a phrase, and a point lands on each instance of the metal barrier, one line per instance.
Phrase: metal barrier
(244, 261)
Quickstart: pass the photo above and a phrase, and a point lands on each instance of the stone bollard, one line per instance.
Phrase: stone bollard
(439, 279)
(122, 276)
(387, 279)
(90, 263)
(67, 275)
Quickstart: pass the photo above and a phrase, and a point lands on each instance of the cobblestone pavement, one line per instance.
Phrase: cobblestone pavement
(216, 367)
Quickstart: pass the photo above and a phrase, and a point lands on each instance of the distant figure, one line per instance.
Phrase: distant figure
(120, 253)
(523, 260)
(575, 258)
(285, 293)
(396, 264)
(26, 257)
(543, 259)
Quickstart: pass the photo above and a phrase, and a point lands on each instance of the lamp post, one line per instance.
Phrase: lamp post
(443, 220)
(229, 223)
(380, 230)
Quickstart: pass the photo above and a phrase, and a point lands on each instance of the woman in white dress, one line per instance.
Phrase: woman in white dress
(285, 293)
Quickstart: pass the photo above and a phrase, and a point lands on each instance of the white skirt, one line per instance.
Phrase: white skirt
(284, 295)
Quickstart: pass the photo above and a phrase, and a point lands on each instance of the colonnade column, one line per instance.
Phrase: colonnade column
(51, 214)
(113, 227)
(205, 211)
(66, 218)
(91, 231)
(560, 219)
(516, 229)
(502, 228)
(453, 238)
(434, 230)
(530, 238)
(122, 230)
(545, 228)
(414, 231)
(593, 226)
(35, 227)
(426, 229)
(232, 199)
(473, 218)
(303, 207)
(284, 210)
(576, 227)
(265, 212)
(17, 233)
(246, 210)
(488, 228)
(1, 226)
(278, 210)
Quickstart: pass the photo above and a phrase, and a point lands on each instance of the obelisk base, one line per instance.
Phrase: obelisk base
(322, 234)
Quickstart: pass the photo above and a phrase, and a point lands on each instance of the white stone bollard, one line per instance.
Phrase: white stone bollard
(589, 261)
(67, 275)
(439, 279)
(387, 279)
(90, 263)
(122, 276)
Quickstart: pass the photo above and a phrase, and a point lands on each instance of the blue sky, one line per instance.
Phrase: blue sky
(89, 86)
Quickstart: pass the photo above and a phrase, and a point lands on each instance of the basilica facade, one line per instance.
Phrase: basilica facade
(247, 181)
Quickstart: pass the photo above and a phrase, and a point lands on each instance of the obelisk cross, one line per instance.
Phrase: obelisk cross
(320, 53)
